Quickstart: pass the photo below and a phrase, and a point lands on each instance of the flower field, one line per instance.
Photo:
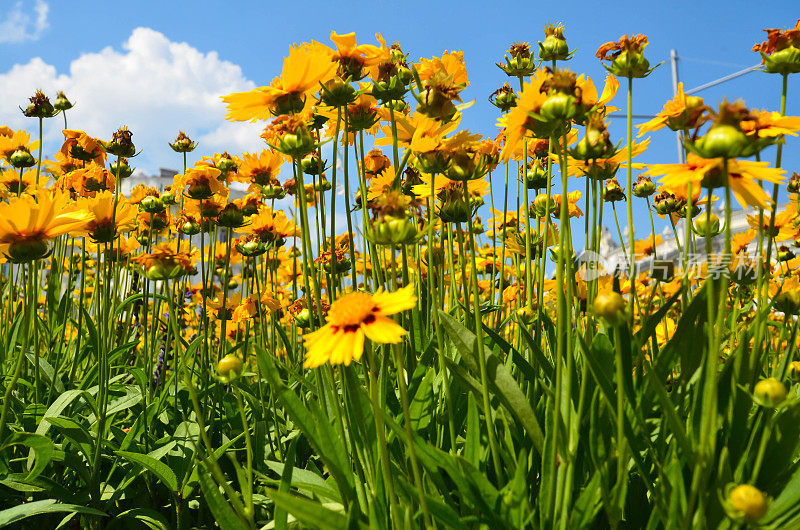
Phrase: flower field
(382, 333)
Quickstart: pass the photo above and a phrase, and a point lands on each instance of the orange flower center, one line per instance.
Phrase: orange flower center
(352, 310)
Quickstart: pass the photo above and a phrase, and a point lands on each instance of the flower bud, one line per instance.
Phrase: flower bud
(337, 93)
(707, 225)
(189, 228)
(747, 502)
(770, 392)
(785, 253)
(226, 163)
(536, 175)
(120, 168)
(520, 63)
(612, 191)
(539, 206)
(794, 370)
(151, 204)
(391, 230)
(273, 192)
(62, 103)
(21, 158)
(229, 367)
(39, 107)
(664, 203)
(744, 274)
(168, 197)
(643, 187)
(312, 164)
(121, 143)
(504, 98)
(610, 306)
(554, 47)
(526, 315)
(183, 144)
(787, 302)
(199, 191)
(793, 186)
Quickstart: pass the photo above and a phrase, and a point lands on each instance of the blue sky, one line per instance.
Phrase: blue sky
(167, 74)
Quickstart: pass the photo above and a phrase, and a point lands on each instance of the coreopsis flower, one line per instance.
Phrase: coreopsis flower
(605, 168)
(27, 224)
(680, 113)
(81, 146)
(441, 81)
(108, 216)
(14, 184)
(737, 132)
(783, 227)
(548, 103)
(780, 53)
(164, 262)
(351, 319)
(87, 181)
(306, 66)
(289, 134)
(646, 246)
(200, 182)
(16, 149)
(708, 173)
(270, 226)
(375, 163)
(764, 124)
(390, 78)
(61, 164)
(626, 56)
(352, 58)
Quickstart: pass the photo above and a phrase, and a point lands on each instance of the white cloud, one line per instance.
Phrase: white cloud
(153, 85)
(17, 25)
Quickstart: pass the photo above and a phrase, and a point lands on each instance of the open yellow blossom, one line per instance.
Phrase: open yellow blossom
(351, 319)
(303, 70)
(681, 112)
(27, 224)
(742, 177)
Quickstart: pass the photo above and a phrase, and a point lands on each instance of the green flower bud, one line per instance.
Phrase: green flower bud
(707, 225)
(229, 367)
(770, 392)
(746, 503)
(21, 158)
(610, 306)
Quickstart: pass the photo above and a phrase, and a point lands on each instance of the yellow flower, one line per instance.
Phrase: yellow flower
(108, 216)
(303, 70)
(26, 225)
(18, 140)
(698, 171)
(681, 112)
(352, 318)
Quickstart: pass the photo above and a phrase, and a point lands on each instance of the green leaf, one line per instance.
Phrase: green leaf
(310, 512)
(161, 470)
(41, 446)
(281, 515)
(420, 407)
(150, 518)
(500, 381)
(30, 509)
(224, 515)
